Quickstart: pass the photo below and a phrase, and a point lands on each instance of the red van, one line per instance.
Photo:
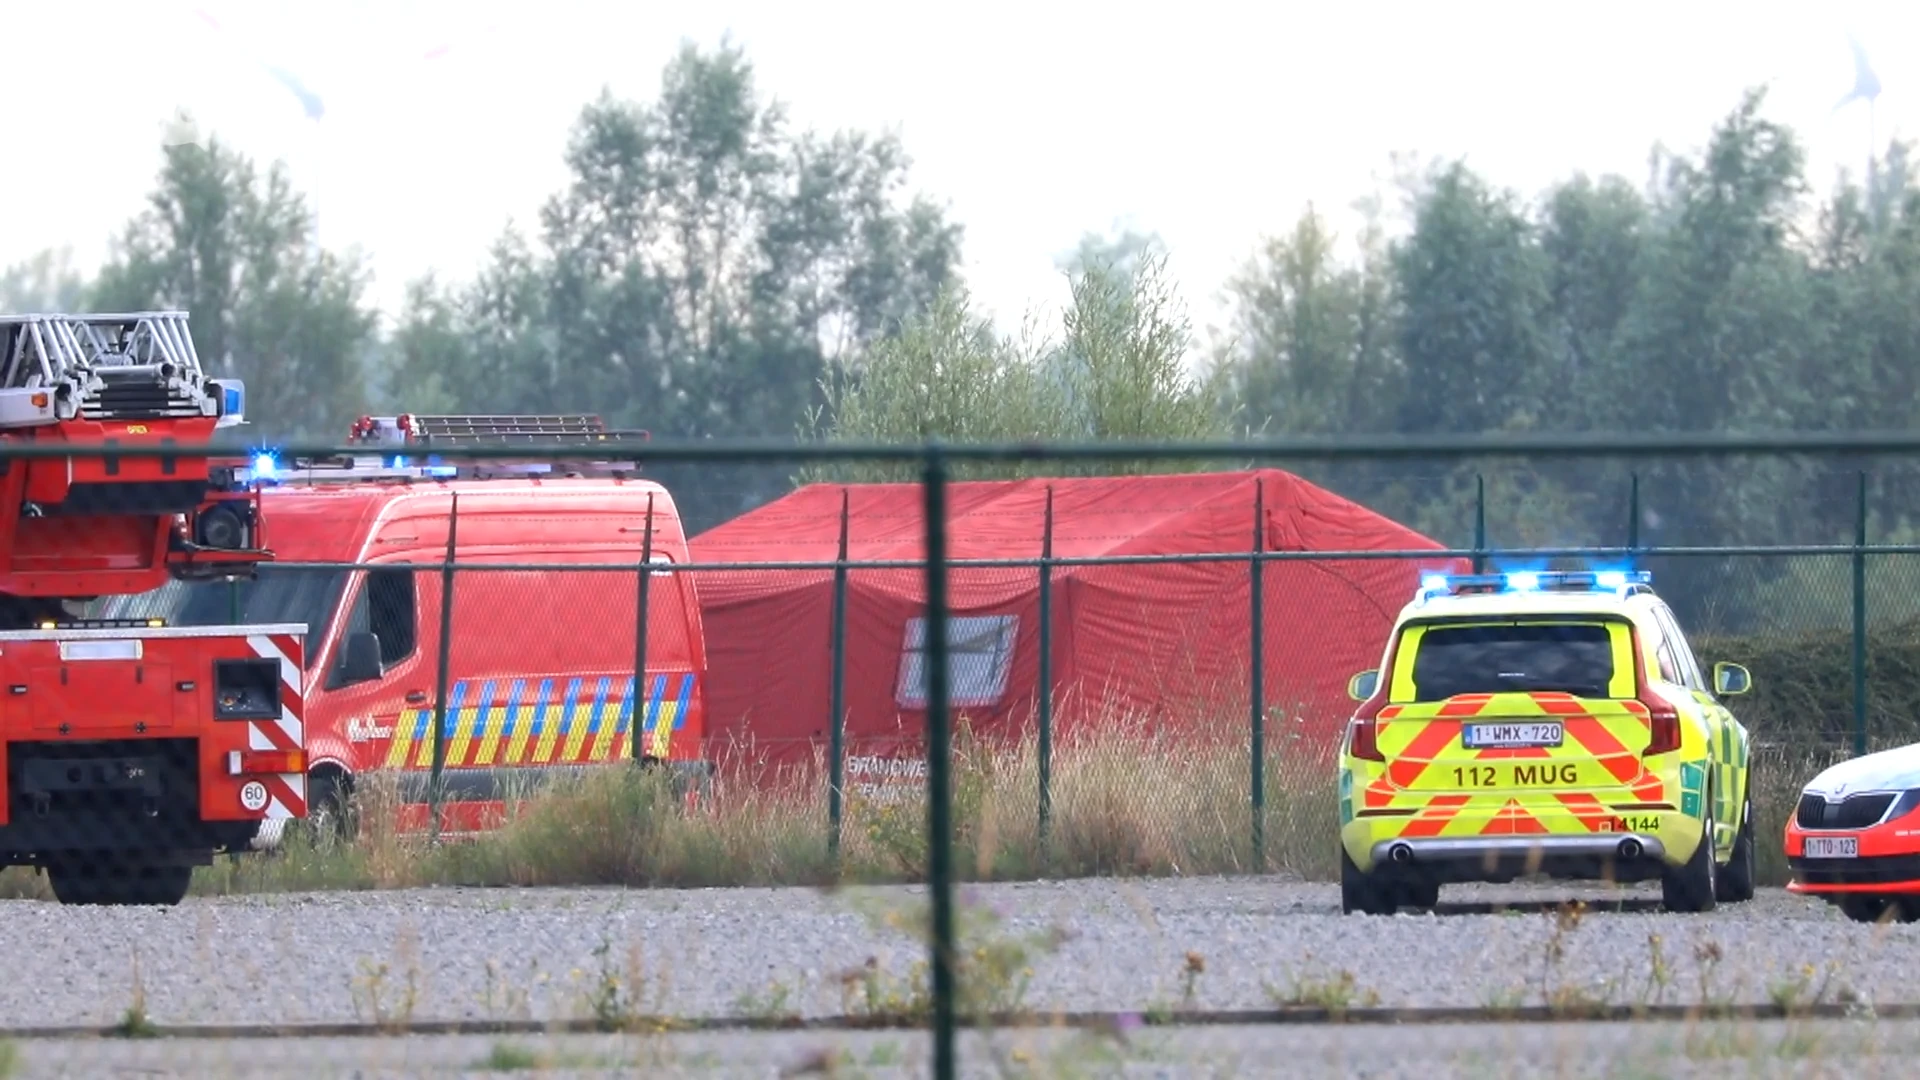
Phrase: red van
(540, 658)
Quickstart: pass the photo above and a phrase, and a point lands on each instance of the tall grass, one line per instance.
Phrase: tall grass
(1128, 800)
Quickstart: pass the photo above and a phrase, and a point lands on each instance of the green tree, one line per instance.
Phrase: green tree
(45, 283)
(701, 274)
(1116, 372)
(235, 247)
(1472, 288)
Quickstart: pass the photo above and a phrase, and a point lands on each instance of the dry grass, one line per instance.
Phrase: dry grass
(1127, 801)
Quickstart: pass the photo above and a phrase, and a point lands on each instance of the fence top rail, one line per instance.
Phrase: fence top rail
(1035, 561)
(1368, 447)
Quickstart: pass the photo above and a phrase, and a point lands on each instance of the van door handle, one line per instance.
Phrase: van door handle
(416, 697)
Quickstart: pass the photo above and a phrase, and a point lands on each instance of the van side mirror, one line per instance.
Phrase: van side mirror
(1362, 686)
(1731, 679)
(361, 660)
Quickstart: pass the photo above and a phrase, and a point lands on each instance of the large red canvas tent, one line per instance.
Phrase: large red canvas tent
(1167, 642)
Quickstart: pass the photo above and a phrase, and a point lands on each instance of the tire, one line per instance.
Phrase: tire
(1866, 909)
(1694, 887)
(1735, 885)
(1362, 893)
(329, 817)
(1419, 894)
(118, 883)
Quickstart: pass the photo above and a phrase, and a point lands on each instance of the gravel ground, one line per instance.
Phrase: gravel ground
(1468, 1052)
(532, 953)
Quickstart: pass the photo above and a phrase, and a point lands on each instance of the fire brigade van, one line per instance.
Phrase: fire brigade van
(540, 639)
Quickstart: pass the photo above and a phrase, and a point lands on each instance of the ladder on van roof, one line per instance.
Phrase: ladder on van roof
(413, 429)
(403, 448)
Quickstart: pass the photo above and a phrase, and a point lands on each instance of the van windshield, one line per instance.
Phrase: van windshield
(276, 596)
(1573, 658)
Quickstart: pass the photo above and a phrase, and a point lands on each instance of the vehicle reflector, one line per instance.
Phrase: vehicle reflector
(260, 762)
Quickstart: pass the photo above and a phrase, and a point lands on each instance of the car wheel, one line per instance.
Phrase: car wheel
(1420, 894)
(1736, 880)
(1694, 886)
(1863, 908)
(1362, 893)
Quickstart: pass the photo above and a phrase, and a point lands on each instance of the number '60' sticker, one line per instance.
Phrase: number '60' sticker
(253, 795)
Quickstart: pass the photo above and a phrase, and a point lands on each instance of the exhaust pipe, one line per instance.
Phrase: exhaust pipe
(1400, 853)
(1629, 849)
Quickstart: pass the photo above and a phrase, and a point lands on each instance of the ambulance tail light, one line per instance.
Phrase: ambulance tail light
(265, 762)
(1666, 726)
(1364, 741)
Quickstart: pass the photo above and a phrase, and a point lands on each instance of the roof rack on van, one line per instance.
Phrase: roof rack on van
(416, 433)
(415, 429)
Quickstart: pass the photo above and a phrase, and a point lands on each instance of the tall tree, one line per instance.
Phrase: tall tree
(1117, 371)
(702, 272)
(236, 248)
(47, 282)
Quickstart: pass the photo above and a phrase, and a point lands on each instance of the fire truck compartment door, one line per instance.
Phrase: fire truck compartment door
(130, 696)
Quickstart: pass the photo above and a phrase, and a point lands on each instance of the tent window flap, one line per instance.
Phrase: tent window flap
(979, 657)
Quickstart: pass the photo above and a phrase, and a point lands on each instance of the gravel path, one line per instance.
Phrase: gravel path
(1670, 1051)
(513, 954)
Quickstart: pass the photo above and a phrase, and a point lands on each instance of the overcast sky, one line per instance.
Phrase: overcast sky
(1210, 123)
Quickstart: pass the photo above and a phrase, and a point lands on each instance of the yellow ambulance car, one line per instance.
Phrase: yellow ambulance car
(1543, 723)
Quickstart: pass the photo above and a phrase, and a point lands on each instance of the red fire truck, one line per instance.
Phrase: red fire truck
(131, 751)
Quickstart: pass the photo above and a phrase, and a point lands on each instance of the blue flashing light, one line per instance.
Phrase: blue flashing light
(1532, 581)
(264, 466)
(443, 470)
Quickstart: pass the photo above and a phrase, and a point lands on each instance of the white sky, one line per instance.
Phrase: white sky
(1211, 123)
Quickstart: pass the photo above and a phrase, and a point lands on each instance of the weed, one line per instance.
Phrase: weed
(992, 968)
(135, 1023)
(613, 997)
(1196, 966)
(370, 996)
(504, 1001)
(511, 1057)
(1336, 992)
(774, 1005)
(1659, 972)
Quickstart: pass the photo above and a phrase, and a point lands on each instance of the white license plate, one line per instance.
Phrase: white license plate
(1487, 736)
(1833, 847)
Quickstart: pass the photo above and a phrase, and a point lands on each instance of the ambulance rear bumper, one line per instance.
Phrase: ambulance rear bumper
(1620, 856)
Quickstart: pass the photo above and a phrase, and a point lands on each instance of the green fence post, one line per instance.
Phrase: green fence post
(1860, 619)
(642, 601)
(1633, 518)
(1257, 676)
(837, 690)
(436, 793)
(1479, 523)
(939, 779)
(1046, 671)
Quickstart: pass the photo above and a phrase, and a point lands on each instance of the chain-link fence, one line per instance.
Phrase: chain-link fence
(443, 684)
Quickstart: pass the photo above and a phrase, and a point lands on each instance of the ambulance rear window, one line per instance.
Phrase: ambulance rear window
(1486, 659)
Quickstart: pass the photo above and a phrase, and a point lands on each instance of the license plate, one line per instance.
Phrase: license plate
(1833, 847)
(1491, 736)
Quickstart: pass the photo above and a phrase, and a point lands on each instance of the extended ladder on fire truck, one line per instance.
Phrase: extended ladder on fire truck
(406, 446)
(111, 367)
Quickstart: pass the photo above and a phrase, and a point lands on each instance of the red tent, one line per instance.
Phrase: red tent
(1167, 641)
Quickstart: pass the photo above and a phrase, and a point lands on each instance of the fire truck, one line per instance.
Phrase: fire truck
(131, 751)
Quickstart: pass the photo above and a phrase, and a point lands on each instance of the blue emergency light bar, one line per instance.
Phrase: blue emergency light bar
(1527, 581)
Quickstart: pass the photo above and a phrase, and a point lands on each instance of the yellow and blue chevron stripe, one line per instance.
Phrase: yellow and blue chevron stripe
(542, 721)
